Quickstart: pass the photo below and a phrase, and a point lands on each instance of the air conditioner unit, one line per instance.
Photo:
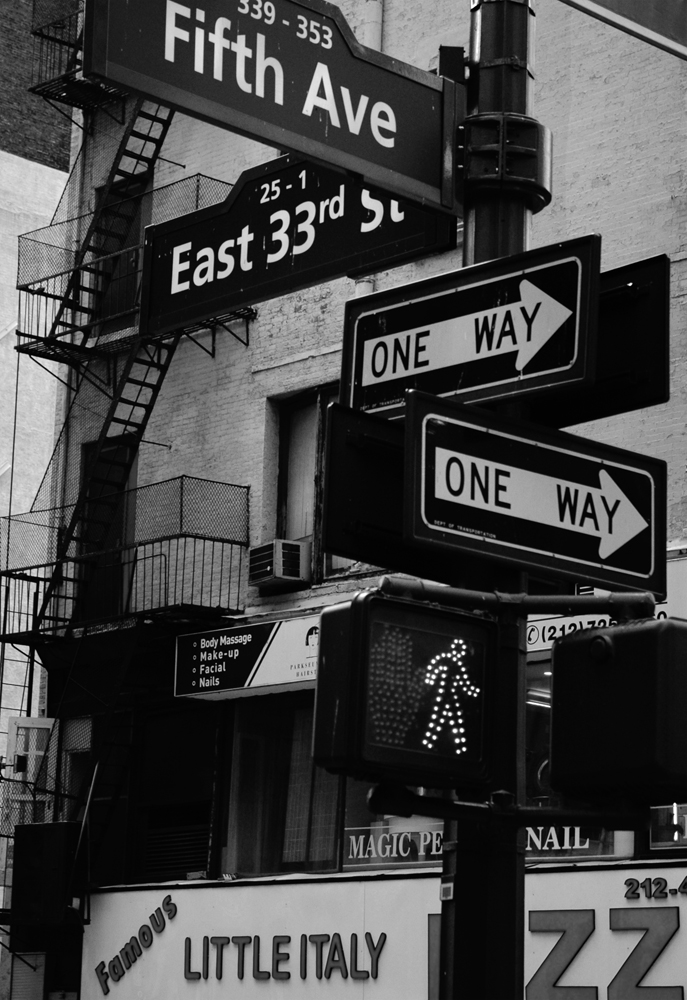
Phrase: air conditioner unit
(280, 565)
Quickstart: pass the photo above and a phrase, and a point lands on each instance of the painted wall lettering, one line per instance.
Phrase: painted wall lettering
(372, 848)
(321, 956)
(578, 926)
(133, 949)
(552, 838)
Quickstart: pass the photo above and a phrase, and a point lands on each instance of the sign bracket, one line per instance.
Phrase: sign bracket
(624, 606)
(501, 809)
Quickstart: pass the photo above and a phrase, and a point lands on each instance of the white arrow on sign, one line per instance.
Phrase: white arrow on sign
(520, 327)
(604, 511)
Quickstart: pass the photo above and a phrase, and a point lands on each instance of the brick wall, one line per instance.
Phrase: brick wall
(29, 127)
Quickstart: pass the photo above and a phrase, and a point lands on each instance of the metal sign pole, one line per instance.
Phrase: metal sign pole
(483, 920)
(498, 209)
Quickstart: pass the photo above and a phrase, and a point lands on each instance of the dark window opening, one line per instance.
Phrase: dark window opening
(283, 811)
(107, 525)
(302, 430)
(299, 429)
(174, 781)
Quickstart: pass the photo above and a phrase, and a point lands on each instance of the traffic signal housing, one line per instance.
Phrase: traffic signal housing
(618, 731)
(404, 693)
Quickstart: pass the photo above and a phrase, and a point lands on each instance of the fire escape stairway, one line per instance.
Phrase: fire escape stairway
(139, 368)
(57, 28)
(107, 472)
(138, 375)
(106, 235)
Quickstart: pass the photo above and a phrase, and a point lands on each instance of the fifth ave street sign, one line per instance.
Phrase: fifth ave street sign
(509, 327)
(532, 497)
(286, 224)
(289, 74)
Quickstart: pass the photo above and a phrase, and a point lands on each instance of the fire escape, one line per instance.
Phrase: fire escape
(97, 572)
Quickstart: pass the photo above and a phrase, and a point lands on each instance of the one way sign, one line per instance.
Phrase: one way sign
(520, 328)
(509, 327)
(534, 498)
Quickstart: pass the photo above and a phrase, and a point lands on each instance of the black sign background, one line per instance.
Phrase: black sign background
(320, 223)
(318, 56)
(229, 665)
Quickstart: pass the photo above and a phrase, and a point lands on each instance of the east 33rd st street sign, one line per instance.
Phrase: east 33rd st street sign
(286, 225)
(533, 498)
(289, 74)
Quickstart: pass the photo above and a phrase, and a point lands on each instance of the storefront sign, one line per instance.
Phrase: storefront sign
(556, 843)
(542, 630)
(226, 662)
(588, 932)
(398, 843)
(262, 940)
(393, 843)
(113, 970)
(606, 933)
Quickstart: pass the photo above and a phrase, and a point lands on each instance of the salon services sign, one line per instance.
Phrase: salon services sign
(226, 663)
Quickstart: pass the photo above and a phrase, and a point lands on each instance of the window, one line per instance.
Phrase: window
(283, 812)
(300, 485)
(5, 480)
(173, 781)
(27, 742)
(387, 841)
(286, 815)
(28, 799)
(299, 464)
(230, 788)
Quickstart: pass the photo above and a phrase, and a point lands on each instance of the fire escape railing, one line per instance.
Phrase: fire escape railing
(109, 291)
(79, 282)
(57, 29)
(175, 545)
(61, 299)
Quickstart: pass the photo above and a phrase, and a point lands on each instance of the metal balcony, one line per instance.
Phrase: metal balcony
(68, 294)
(174, 548)
(57, 29)
(60, 312)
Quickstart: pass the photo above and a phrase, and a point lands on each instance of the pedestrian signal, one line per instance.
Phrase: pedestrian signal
(404, 692)
(617, 713)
